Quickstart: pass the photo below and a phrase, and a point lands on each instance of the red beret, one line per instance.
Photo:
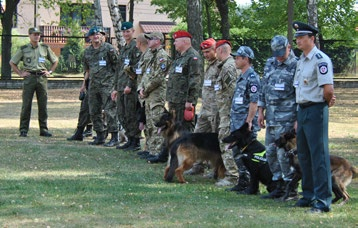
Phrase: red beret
(207, 43)
(181, 33)
(222, 42)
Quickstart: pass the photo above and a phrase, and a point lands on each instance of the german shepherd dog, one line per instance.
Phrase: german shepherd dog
(254, 159)
(185, 148)
(342, 171)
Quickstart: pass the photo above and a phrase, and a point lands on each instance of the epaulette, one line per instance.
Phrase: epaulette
(251, 75)
(319, 56)
(23, 47)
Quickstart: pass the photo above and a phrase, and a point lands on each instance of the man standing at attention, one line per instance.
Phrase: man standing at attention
(125, 89)
(100, 59)
(277, 105)
(34, 73)
(314, 94)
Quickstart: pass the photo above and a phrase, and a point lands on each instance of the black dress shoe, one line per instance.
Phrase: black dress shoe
(46, 134)
(23, 134)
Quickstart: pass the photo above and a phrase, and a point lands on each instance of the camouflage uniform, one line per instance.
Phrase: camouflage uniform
(128, 103)
(153, 84)
(208, 118)
(224, 88)
(33, 59)
(184, 84)
(101, 64)
(278, 98)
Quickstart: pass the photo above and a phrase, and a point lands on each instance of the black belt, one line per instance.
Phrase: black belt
(309, 104)
(37, 73)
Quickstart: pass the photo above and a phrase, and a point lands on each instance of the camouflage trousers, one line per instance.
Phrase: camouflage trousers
(279, 163)
(227, 155)
(207, 123)
(102, 110)
(84, 117)
(178, 109)
(153, 140)
(127, 113)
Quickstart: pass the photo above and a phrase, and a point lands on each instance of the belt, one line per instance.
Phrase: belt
(309, 104)
(37, 73)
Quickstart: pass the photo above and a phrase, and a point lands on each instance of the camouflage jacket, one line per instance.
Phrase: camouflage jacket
(129, 55)
(246, 91)
(101, 63)
(224, 90)
(154, 78)
(141, 66)
(184, 80)
(277, 96)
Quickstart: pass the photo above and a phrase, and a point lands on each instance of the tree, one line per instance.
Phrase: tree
(195, 27)
(223, 8)
(98, 13)
(116, 21)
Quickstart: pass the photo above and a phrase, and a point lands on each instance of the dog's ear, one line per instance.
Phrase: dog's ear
(293, 131)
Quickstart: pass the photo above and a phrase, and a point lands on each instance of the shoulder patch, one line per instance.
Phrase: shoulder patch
(323, 68)
(319, 56)
(253, 88)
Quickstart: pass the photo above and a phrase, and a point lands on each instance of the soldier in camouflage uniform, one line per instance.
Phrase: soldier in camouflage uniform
(224, 88)
(125, 89)
(100, 59)
(244, 107)
(152, 89)
(277, 105)
(35, 73)
(208, 117)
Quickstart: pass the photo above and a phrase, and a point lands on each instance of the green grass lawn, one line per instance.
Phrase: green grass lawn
(50, 182)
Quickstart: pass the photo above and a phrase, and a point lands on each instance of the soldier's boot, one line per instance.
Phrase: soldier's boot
(78, 135)
(88, 131)
(242, 184)
(198, 168)
(278, 192)
(135, 145)
(122, 137)
(114, 140)
(161, 157)
(126, 145)
(100, 138)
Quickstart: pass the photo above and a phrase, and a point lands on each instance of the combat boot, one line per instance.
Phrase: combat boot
(114, 140)
(278, 192)
(135, 145)
(242, 184)
(88, 131)
(100, 139)
(78, 136)
(161, 157)
(126, 145)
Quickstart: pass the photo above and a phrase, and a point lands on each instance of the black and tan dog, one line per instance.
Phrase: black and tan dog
(342, 171)
(254, 159)
(186, 148)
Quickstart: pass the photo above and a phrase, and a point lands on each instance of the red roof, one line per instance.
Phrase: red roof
(157, 26)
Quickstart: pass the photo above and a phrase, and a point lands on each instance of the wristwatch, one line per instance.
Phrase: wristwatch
(50, 71)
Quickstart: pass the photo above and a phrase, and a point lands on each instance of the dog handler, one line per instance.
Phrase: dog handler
(314, 94)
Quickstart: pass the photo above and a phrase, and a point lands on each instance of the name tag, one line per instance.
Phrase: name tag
(217, 87)
(207, 82)
(179, 69)
(280, 86)
(138, 71)
(148, 71)
(239, 100)
(126, 61)
(102, 62)
(41, 60)
(295, 84)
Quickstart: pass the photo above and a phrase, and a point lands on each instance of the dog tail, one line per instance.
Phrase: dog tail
(354, 171)
(173, 163)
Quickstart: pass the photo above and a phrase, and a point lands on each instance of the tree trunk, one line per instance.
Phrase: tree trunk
(194, 20)
(223, 7)
(7, 22)
(116, 21)
(208, 18)
(290, 15)
(313, 15)
(131, 10)
(98, 13)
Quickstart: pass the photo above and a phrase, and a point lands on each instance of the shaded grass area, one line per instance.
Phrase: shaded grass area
(49, 182)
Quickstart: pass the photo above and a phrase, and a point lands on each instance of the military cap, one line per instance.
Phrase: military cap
(95, 30)
(152, 35)
(303, 29)
(181, 34)
(222, 42)
(207, 43)
(278, 45)
(244, 51)
(34, 30)
(126, 25)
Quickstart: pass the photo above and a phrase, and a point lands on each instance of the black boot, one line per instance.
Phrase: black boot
(161, 157)
(88, 131)
(100, 139)
(135, 145)
(126, 145)
(242, 184)
(78, 135)
(114, 140)
(278, 192)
